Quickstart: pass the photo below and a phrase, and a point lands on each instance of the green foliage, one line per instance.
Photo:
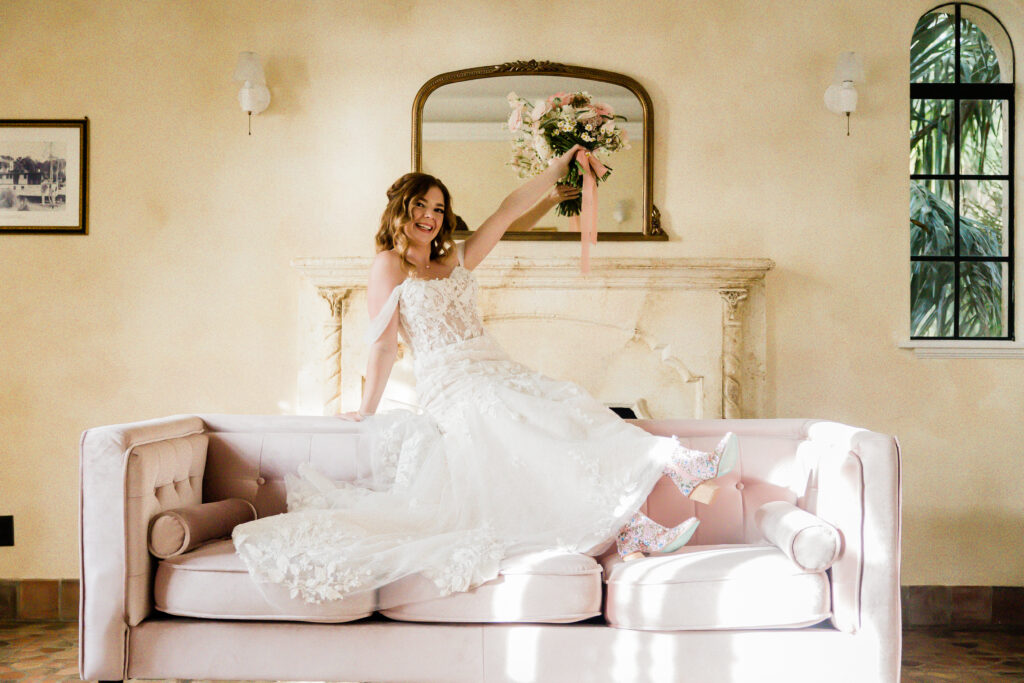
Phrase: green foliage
(982, 132)
(931, 284)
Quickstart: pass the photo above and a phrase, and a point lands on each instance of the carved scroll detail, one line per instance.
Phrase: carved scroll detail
(732, 349)
(531, 66)
(337, 300)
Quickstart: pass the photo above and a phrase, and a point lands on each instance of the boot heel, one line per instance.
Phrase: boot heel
(644, 535)
(705, 493)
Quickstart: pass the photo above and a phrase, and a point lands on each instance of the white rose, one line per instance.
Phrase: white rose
(540, 107)
(543, 148)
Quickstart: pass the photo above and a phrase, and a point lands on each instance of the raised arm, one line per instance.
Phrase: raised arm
(484, 238)
(385, 274)
(558, 194)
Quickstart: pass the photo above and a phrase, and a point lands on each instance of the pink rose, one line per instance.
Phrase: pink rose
(563, 96)
(515, 119)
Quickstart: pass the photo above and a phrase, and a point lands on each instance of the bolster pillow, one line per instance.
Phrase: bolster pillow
(811, 542)
(177, 531)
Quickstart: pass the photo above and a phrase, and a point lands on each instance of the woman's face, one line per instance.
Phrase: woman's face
(427, 216)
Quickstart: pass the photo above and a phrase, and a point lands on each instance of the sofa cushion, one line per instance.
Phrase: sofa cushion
(542, 587)
(714, 587)
(212, 582)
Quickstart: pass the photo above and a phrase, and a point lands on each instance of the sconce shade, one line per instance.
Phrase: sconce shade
(841, 99)
(249, 68)
(254, 97)
(849, 68)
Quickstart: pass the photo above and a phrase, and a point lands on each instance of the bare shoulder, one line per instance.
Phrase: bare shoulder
(386, 272)
(387, 263)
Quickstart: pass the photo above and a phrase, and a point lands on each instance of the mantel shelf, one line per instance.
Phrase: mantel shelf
(563, 273)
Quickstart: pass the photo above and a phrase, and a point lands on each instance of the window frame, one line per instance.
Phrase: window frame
(956, 92)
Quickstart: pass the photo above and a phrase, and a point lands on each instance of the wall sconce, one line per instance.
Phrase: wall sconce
(254, 95)
(841, 96)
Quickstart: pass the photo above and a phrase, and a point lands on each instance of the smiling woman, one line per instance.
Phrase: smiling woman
(418, 218)
(502, 460)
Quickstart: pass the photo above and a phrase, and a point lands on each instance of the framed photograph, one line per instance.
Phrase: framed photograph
(43, 174)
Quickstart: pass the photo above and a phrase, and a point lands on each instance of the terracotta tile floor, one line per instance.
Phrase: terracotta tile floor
(963, 656)
(45, 651)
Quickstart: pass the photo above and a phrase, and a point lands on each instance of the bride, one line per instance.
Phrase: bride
(502, 460)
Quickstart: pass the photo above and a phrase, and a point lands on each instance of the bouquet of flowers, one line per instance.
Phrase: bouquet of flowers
(548, 128)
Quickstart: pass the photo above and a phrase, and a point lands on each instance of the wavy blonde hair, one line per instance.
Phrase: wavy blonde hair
(401, 195)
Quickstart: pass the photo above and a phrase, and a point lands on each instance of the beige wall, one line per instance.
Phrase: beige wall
(181, 297)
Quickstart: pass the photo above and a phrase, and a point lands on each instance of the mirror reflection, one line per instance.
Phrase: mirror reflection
(467, 142)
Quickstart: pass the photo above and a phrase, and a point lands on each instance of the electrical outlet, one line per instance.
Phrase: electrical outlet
(7, 530)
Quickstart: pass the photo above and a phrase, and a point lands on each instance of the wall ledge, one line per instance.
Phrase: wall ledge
(963, 349)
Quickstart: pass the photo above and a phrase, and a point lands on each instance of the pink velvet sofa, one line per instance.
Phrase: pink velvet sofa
(730, 606)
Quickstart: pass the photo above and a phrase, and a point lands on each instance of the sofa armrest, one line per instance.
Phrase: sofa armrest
(857, 489)
(118, 464)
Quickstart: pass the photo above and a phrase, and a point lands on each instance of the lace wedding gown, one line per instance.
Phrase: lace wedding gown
(503, 461)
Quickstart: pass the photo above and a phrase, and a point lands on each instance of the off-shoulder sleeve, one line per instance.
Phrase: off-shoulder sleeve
(380, 322)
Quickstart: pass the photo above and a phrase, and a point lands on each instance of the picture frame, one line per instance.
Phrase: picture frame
(44, 176)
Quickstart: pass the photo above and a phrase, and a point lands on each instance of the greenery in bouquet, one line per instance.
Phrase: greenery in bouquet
(547, 128)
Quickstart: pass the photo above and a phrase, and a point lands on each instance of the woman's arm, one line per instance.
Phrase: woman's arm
(385, 274)
(557, 195)
(483, 239)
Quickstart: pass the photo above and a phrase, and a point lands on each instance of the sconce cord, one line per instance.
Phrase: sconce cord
(250, 124)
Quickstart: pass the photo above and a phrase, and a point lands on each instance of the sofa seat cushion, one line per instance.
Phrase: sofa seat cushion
(212, 582)
(551, 587)
(715, 587)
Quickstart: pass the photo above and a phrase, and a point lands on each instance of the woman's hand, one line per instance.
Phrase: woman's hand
(567, 158)
(352, 416)
(561, 193)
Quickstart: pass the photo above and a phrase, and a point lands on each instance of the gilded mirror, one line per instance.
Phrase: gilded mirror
(461, 134)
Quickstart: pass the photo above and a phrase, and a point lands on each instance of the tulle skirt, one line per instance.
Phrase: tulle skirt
(502, 461)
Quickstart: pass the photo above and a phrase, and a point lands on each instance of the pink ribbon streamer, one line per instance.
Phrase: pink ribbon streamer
(586, 222)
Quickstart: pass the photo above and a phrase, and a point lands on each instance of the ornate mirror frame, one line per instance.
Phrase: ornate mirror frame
(652, 229)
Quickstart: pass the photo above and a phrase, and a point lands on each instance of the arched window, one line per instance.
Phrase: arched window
(961, 176)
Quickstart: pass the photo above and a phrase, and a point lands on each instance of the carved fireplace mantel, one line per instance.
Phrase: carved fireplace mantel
(717, 351)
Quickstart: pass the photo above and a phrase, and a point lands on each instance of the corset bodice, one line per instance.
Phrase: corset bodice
(437, 313)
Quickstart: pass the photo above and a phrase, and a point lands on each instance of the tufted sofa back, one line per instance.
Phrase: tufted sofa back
(248, 457)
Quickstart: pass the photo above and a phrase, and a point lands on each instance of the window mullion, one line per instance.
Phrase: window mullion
(1010, 322)
(956, 201)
